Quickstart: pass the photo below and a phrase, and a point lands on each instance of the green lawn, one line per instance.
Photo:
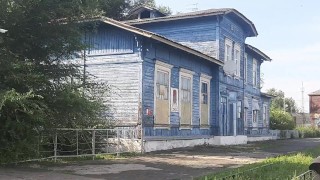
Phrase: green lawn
(282, 168)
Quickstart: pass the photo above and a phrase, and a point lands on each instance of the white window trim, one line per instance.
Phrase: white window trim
(189, 74)
(227, 42)
(255, 81)
(255, 124)
(206, 79)
(161, 66)
(237, 61)
(245, 74)
(265, 112)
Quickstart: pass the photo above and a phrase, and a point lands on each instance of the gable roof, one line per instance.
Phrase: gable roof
(255, 50)
(159, 38)
(139, 9)
(204, 13)
(316, 93)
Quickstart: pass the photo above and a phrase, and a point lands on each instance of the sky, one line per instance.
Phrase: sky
(289, 33)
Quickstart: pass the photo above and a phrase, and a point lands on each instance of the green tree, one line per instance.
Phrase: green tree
(281, 120)
(39, 87)
(279, 101)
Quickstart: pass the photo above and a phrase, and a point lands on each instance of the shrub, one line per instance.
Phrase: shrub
(281, 120)
(308, 132)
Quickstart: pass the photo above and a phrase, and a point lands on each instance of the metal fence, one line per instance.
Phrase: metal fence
(308, 175)
(88, 142)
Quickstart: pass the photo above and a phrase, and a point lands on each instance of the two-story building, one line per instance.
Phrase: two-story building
(314, 108)
(185, 79)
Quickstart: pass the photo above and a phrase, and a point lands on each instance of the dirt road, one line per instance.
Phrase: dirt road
(184, 163)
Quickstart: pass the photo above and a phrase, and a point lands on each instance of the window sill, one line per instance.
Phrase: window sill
(204, 127)
(161, 126)
(185, 126)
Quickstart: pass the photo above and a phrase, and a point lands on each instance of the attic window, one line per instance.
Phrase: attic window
(145, 14)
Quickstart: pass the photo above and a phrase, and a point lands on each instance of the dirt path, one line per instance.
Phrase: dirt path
(185, 163)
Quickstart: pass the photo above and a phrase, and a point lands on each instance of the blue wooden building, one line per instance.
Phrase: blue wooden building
(185, 79)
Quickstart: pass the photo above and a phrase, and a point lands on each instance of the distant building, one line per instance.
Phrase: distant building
(314, 108)
(301, 119)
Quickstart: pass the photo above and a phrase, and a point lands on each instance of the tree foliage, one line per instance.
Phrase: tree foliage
(279, 101)
(281, 120)
(39, 87)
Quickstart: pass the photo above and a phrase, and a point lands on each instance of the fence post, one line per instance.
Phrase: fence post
(118, 142)
(77, 133)
(55, 146)
(93, 143)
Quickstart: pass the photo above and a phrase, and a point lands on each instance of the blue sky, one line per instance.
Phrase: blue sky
(289, 32)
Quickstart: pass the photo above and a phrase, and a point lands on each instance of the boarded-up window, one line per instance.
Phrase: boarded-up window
(204, 100)
(162, 93)
(185, 99)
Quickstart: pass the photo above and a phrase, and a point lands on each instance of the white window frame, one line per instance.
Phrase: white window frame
(188, 74)
(205, 79)
(245, 68)
(227, 57)
(265, 115)
(255, 123)
(237, 59)
(161, 66)
(255, 72)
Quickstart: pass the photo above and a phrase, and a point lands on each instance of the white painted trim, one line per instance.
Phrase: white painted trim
(254, 84)
(265, 111)
(245, 74)
(227, 41)
(164, 65)
(206, 79)
(161, 66)
(205, 76)
(237, 48)
(254, 124)
(187, 71)
(188, 74)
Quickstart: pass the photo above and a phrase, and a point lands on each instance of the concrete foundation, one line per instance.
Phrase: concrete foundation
(157, 145)
(262, 138)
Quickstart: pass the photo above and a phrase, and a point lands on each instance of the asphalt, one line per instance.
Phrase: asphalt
(184, 163)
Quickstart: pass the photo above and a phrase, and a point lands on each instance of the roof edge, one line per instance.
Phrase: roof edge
(160, 38)
(256, 50)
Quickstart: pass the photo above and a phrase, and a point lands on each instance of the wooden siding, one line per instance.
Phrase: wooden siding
(198, 34)
(122, 73)
(179, 60)
(113, 41)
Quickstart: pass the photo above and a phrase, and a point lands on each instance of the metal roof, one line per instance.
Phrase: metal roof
(160, 39)
(203, 13)
(316, 93)
(258, 52)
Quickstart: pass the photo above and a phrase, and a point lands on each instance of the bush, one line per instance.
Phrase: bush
(281, 120)
(308, 132)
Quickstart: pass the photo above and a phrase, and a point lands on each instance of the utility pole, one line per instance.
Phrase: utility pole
(302, 104)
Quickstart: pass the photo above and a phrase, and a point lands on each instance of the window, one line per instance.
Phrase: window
(255, 116)
(239, 109)
(162, 94)
(265, 115)
(186, 78)
(228, 50)
(204, 100)
(162, 85)
(237, 58)
(255, 73)
(245, 66)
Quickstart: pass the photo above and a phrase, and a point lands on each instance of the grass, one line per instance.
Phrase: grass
(281, 167)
